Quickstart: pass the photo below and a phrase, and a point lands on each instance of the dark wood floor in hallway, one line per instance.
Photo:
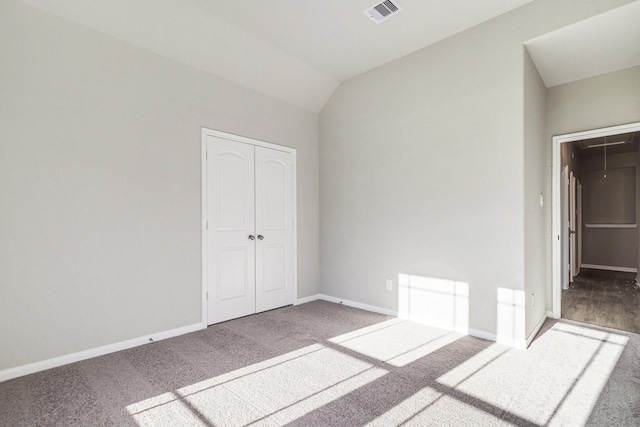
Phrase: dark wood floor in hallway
(604, 298)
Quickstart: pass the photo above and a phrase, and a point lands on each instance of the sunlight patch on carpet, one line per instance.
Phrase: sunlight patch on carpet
(272, 392)
(442, 410)
(556, 381)
(397, 342)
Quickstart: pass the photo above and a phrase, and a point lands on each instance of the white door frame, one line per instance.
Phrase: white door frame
(579, 225)
(556, 205)
(573, 258)
(564, 221)
(203, 184)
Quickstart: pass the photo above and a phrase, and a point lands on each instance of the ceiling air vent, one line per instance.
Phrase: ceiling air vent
(381, 11)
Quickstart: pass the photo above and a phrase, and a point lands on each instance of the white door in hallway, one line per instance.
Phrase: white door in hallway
(250, 210)
(564, 220)
(573, 255)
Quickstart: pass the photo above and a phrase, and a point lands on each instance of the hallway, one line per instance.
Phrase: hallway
(604, 298)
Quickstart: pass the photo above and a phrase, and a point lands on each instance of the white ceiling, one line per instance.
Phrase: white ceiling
(294, 50)
(601, 44)
(300, 50)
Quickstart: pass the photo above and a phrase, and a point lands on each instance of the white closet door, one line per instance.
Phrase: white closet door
(231, 226)
(274, 229)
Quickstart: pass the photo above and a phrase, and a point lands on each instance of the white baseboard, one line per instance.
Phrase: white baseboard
(426, 320)
(307, 299)
(610, 268)
(43, 365)
(520, 344)
(482, 335)
(359, 305)
(31, 368)
(535, 331)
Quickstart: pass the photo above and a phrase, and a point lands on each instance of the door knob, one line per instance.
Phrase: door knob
(260, 237)
(251, 237)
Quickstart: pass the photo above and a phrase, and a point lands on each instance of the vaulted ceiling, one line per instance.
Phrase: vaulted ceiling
(294, 50)
(598, 45)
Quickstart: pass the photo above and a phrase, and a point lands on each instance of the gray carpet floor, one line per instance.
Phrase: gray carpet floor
(604, 298)
(324, 364)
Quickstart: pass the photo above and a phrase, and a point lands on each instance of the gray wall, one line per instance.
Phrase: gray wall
(607, 100)
(610, 200)
(100, 235)
(570, 157)
(535, 215)
(423, 167)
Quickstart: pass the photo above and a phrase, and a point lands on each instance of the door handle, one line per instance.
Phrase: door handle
(251, 237)
(260, 237)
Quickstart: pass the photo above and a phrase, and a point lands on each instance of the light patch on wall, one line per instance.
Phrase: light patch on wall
(510, 325)
(437, 302)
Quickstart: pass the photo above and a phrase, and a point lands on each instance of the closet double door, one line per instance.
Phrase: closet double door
(250, 229)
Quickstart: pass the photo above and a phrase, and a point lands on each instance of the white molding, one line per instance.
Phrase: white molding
(294, 155)
(509, 341)
(307, 299)
(203, 225)
(611, 226)
(359, 305)
(610, 268)
(246, 140)
(449, 326)
(477, 333)
(55, 362)
(536, 329)
(556, 142)
(203, 201)
(482, 335)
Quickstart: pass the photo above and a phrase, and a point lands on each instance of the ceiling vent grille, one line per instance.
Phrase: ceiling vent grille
(381, 11)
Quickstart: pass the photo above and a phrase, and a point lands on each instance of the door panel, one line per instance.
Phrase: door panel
(274, 223)
(233, 264)
(274, 205)
(232, 209)
(231, 220)
(274, 267)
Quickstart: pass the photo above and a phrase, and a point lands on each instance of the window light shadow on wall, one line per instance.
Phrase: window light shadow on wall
(436, 302)
(510, 326)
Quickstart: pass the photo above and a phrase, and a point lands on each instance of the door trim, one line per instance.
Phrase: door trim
(203, 202)
(556, 243)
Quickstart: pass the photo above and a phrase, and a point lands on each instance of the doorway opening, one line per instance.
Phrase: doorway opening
(596, 241)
